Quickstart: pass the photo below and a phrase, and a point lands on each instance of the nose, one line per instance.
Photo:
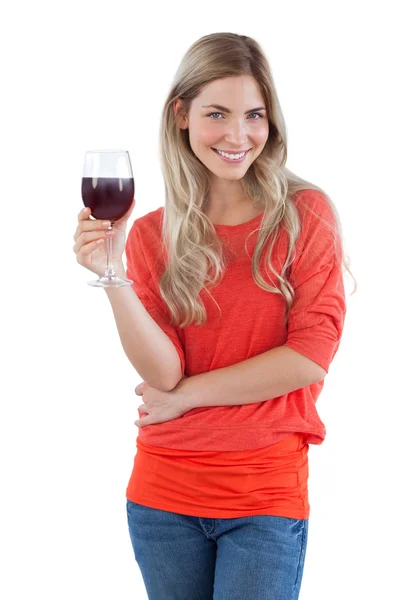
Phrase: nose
(237, 133)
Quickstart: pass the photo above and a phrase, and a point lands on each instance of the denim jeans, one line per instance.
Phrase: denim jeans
(193, 558)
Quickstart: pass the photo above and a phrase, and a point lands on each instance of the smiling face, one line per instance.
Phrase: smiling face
(229, 115)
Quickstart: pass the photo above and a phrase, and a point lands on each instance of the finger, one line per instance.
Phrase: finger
(86, 237)
(143, 422)
(87, 224)
(94, 225)
(84, 252)
(84, 213)
(139, 390)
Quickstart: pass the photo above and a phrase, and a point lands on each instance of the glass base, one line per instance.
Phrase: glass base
(110, 282)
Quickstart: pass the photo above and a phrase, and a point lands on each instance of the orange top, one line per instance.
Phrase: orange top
(230, 461)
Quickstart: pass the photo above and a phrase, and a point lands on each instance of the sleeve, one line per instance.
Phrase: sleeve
(316, 318)
(146, 288)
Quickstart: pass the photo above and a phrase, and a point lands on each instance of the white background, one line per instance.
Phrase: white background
(95, 75)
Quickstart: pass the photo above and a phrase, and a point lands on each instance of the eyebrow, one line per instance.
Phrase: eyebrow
(223, 108)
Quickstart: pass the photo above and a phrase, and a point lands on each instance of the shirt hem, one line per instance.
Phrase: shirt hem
(225, 514)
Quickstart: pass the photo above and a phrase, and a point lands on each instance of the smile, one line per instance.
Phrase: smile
(232, 158)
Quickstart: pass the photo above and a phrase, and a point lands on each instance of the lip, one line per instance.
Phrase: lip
(230, 161)
(231, 151)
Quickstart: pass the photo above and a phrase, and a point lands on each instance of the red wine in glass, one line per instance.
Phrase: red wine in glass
(108, 198)
(108, 189)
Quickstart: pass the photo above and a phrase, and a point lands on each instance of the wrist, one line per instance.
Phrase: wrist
(120, 270)
(186, 390)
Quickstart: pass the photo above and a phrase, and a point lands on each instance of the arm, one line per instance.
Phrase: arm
(148, 348)
(257, 379)
(150, 342)
(314, 330)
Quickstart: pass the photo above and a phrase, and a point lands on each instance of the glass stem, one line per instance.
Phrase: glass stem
(109, 269)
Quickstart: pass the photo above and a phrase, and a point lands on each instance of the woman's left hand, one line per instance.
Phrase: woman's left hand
(159, 406)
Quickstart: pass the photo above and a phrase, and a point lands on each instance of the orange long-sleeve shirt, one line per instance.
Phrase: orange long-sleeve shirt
(231, 461)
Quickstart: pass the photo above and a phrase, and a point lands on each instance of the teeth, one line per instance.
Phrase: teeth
(232, 156)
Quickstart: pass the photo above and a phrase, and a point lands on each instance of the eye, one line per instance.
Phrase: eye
(218, 113)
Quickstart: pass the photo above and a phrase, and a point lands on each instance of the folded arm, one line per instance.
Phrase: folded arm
(257, 379)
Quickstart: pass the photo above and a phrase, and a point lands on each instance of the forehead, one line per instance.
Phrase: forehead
(231, 92)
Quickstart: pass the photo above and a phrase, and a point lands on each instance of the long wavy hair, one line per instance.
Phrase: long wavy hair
(196, 258)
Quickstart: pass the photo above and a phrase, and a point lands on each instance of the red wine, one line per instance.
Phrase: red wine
(108, 197)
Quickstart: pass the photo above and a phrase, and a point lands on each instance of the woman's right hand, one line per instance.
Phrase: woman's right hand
(90, 242)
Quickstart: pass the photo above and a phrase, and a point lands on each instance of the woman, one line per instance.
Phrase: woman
(235, 314)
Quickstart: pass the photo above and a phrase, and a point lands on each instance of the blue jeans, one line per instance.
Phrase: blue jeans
(193, 558)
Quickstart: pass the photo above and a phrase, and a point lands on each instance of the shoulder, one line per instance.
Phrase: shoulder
(320, 233)
(313, 206)
(147, 228)
(150, 222)
(144, 239)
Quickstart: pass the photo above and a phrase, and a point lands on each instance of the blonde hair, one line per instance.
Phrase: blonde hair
(188, 236)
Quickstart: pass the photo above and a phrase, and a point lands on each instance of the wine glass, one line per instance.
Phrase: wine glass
(108, 189)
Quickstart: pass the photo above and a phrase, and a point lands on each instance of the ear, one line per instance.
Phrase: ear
(177, 108)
